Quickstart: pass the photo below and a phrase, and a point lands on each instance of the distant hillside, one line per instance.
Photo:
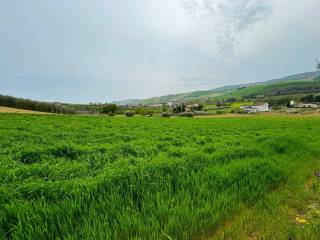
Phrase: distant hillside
(300, 83)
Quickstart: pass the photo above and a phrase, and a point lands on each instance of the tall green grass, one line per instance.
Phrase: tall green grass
(68, 177)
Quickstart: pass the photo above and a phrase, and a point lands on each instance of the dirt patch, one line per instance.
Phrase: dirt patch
(15, 110)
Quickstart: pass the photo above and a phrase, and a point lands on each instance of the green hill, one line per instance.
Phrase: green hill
(302, 83)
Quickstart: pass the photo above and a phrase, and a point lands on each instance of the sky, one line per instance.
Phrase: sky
(81, 51)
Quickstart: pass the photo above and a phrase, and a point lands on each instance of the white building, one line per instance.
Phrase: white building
(308, 105)
(257, 108)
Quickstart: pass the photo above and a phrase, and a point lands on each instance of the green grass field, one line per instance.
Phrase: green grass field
(77, 177)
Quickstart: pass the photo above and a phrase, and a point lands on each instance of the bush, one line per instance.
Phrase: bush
(140, 111)
(130, 114)
(185, 114)
(148, 114)
(166, 114)
(111, 114)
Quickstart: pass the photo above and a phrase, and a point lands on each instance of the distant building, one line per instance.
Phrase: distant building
(307, 105)
(155, 105)
(170, 104)
(257, 108)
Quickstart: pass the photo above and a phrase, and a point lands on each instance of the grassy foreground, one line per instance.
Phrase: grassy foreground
(76, 177)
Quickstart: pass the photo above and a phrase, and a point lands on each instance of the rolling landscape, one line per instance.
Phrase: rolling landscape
(103, 136)
(308, 82)
(67, 176)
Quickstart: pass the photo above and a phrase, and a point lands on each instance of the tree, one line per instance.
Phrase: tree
(231, 100)
(317, 98)
(165, 107)
(220, 103)
(27, 104)
(200, 107)
(307, 98)
(179, 108)
(109, 108)
(278, 102)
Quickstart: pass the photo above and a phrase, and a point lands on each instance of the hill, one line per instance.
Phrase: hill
(302, 83)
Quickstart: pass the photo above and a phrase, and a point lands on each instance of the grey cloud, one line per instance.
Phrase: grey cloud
(98, 50)
(230, 18)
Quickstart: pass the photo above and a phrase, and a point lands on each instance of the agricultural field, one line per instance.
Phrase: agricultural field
(94, 177)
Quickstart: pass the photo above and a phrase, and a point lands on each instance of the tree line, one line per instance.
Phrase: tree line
(27, 104)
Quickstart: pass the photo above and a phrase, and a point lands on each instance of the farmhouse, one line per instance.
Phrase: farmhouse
(257, 108)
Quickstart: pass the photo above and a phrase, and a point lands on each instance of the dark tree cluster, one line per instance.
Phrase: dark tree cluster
(21, 103)
(109, 109)
(278, 102)
(232, 100)
(197, 107)
(179, 109)
(310, 98)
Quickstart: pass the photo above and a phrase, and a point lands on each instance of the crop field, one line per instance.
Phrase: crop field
(91, 177)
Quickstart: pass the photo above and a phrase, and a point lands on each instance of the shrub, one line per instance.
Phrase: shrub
(111, 114)
(148, 114)
(140, 111)
(220, 112)
(166, 114)
(130, 114)
(238, 111)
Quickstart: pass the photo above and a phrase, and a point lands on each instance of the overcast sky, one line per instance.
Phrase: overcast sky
(103, 50)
